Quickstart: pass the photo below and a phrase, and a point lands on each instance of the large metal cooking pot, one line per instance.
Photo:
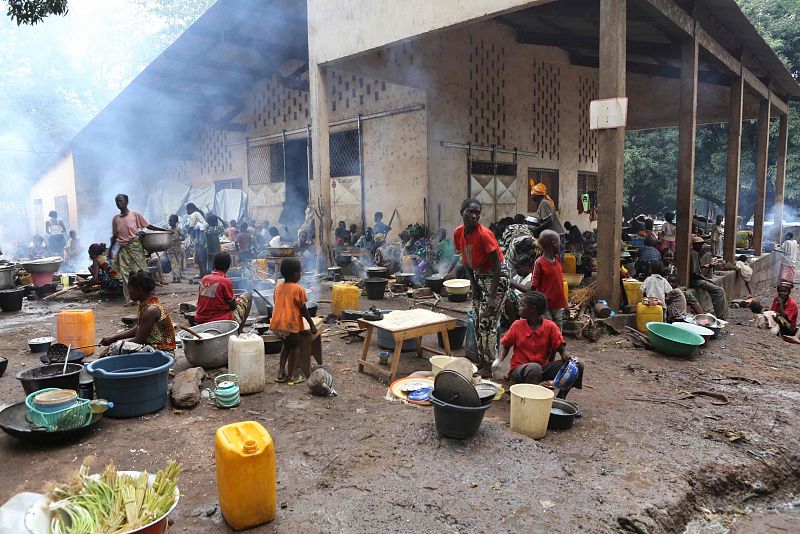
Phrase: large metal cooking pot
(44, 265)
(6, 277)
(157, 241)
(211, 352)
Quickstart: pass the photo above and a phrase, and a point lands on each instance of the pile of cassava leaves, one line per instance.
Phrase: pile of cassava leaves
(111, 503)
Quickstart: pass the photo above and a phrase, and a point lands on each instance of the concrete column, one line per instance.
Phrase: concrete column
(686, 144)
(780, 177)
(761, 177)
(611, 152)
(734, 168)
(320, 155)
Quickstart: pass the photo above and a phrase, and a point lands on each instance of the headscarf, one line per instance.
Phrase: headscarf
(540, 190)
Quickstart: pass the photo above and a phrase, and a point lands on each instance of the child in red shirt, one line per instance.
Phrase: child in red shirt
(785, 309)
(548, 276)
(536, 341)
(287, 319)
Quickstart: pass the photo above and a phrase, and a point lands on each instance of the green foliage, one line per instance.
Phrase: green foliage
(33, 11)
(651, 156)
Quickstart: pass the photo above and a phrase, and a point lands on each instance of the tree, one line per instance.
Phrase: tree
(651, 156)
(33, 11)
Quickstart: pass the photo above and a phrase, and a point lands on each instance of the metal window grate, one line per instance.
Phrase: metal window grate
(265, 164)
(587, 183)
(344, 154)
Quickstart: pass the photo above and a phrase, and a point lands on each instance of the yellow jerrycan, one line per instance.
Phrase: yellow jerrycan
(246, 474)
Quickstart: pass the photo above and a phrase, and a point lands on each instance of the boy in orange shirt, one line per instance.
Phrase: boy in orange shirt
(287, 319)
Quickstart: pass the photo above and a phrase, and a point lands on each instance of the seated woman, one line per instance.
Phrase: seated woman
(153, 330)
(536, 341)
(104, 276)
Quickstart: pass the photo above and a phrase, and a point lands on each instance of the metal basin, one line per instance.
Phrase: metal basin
(44, 265)
(157, 241)
(212, 352)
(6, 277)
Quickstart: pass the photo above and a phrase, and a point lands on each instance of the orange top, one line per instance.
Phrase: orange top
(289, 298)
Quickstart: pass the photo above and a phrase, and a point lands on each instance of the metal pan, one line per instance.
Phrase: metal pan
(13, 421)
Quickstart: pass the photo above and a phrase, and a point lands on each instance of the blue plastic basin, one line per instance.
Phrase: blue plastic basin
(135, 383)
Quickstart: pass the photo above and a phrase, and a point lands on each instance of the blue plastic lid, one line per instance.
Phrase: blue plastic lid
(421, 394)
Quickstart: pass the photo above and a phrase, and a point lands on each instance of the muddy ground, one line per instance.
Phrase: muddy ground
(641, 453)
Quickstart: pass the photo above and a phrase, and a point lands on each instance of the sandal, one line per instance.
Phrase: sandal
(282, 379)
(299, 380)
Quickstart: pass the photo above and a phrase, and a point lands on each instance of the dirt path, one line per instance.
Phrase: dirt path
(358, 462)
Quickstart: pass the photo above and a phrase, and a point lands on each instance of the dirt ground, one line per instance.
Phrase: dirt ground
(641, 455)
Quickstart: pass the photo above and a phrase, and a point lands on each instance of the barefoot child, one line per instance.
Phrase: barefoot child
(786, 310)
(287, 319)
(548, 277)
(536, 341)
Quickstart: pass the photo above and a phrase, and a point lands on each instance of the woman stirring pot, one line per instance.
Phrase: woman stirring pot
(488, 275)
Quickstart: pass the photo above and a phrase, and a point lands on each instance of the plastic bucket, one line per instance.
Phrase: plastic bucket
(375, 288)
(456, 335)
(530, 409)
(136, 383)
(457, 422)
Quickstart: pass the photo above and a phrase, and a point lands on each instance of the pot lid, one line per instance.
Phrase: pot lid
(37, 340)
(453, 388)
(55, 397)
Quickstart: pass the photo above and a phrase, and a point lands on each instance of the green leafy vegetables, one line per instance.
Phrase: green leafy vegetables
(111, 503)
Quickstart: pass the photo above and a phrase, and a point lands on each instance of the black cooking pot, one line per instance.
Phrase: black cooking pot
(50, 376)
(377, 272)
(435, 282)
(562, 415)
(272, 344)
(312, 308)
(404, 278)
(11, 299)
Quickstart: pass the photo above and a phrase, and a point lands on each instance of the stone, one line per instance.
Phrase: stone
(186, 387)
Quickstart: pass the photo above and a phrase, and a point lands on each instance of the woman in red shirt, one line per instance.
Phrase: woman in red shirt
(488, 274)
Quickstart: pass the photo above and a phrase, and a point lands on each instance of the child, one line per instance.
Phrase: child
(287, 319)
(275, 237)
(175, 253)
(668, 231)
(216, 300)
(785, 309)
(656, 285)
(72, 249)
(104, 276)
(716, 237)
(244, 242)
(153, 330)
(536, 341)
(548, 277)
(519, 284)
(745, 271)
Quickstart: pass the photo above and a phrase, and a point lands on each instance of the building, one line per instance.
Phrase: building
(414, 105)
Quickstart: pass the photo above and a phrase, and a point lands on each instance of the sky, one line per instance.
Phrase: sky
(58, 74)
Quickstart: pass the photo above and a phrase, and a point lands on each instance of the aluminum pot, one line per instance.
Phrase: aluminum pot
(44, 265)
(280, 252)
(158, 241)
(212, 352)
(404, 278)
(6, 277)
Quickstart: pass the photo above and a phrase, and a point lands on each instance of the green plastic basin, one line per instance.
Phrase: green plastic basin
(672, 340)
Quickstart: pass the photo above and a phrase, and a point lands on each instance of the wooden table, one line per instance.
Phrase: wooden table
(403, 325)
(311, 345)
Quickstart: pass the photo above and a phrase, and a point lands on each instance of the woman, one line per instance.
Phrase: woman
(175, 253)
(153, 330)
(546, 209)
(55, 230)
(197, 233)
(104, 275)
(488, 275)
(213, 232)
(129, 256)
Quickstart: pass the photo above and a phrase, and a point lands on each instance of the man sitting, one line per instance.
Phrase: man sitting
(216, 300)
(698, 280)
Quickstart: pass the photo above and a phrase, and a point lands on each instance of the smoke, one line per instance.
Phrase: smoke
(59, 74)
